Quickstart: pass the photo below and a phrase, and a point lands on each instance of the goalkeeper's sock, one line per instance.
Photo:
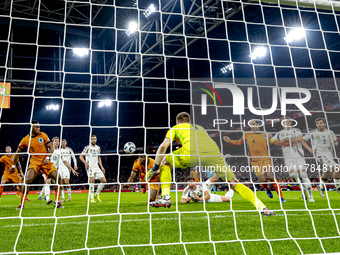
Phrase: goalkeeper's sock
(165, 176)
(99, 189)
(248, 195)
(265, 186)
(337, 183)
(1, 190)
(278, 189)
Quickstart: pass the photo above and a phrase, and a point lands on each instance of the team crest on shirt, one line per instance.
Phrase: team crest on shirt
(329, 136)
(200, 190)
(90, 150)
(317, 137)
(66, 152)
(265, 136)
(41, 140)
(282, 135)
(194, 193)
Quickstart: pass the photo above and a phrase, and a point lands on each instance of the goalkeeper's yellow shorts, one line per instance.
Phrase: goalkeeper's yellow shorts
(213, 163)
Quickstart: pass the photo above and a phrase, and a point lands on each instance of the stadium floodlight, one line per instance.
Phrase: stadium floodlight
(52, 107)
(151, 9)
(81, 52)
(258, 53)
(227, 68)
(295, 35)
(105, 103)
(133, 26)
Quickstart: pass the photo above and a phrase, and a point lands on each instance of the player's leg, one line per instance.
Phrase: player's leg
(306, 183)
(3, 181)
(68, 187)
(53, 173)
(102, 180)
(217, 199)
(276, 186)
(31, 174)
(211, 181)
(336, 177)
(263, 179)
(62, 190)
(153, 192)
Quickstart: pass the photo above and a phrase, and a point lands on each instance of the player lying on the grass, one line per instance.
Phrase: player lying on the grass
(323, 140)
(58, 160)
(198, 149)
(65, 172)
(199, 192)
(15, 177)
(291, 141)
(139, 167)
(257, 145)
(91, 158)
(40, 149)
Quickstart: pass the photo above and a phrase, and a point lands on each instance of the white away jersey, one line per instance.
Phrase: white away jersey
(321, 142)
(68, 154)
(56, 158)
(91, 154)
(291, 150)
(199, 191)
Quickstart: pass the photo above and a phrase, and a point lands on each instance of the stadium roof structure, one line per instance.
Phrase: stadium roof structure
(57, 41)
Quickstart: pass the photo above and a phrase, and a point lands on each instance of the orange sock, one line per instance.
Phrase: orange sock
(1, 190)
(265, 186)
(278, 189)
(57, 195)
(23, 199)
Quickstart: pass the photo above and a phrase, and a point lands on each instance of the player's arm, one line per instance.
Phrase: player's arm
(82, 158)
(15, 160)
(50, 152)
(185, 200)
(205, 197)
(131, 178)
(100, 164)
(304, 144)
(70, 167)
(234, 142)
(160, 153)
(20, 169)
(74, 160)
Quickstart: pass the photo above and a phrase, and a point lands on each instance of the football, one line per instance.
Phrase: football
(129, 147)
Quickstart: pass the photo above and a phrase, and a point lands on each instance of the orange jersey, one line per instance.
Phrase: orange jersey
(137, 167)
(8, 161)
(37, 145)
(257, 144)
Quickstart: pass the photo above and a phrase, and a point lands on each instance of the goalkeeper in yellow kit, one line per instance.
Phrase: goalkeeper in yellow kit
(198, 149)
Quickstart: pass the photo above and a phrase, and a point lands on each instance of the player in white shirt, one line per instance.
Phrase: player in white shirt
(290, 139)
(57, 160)
(202, 192)
(91, 158)
(67, 154)
(322, 141)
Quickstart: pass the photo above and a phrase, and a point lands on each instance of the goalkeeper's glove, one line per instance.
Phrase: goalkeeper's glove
(152, 172)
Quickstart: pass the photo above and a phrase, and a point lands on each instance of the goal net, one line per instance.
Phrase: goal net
(122, 70)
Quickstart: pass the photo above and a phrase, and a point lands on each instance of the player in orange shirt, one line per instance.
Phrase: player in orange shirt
(15, 177)
(139, 167)
(257, 150)
(40, 149)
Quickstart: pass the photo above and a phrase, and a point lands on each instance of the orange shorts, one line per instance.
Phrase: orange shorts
(261, 166)
(46, 169)
(13, 177)
(154, 178)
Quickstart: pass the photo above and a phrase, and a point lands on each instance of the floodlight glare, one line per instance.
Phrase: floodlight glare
(295, 35)
(105, 103)
(227, 68)
(258, 52)
(52, 107)
(133, 26)
(151, 9)
(81, 52)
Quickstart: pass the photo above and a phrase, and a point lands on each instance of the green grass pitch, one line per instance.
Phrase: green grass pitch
(231, 232)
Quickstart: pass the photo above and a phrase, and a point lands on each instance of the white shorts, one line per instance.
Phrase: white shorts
(64, 172)
(214, 198)
(295, 163)
(327, 160)
(95, 172)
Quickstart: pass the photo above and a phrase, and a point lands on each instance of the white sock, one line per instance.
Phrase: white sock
(99, 189)
(306, 183)
(42, 191)
(295, 178)
(69, 192)
(321, 185)
(62, 193)
(209, 185)
(47, 192)
(337, 183)
(92, 190)
(230, 193)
